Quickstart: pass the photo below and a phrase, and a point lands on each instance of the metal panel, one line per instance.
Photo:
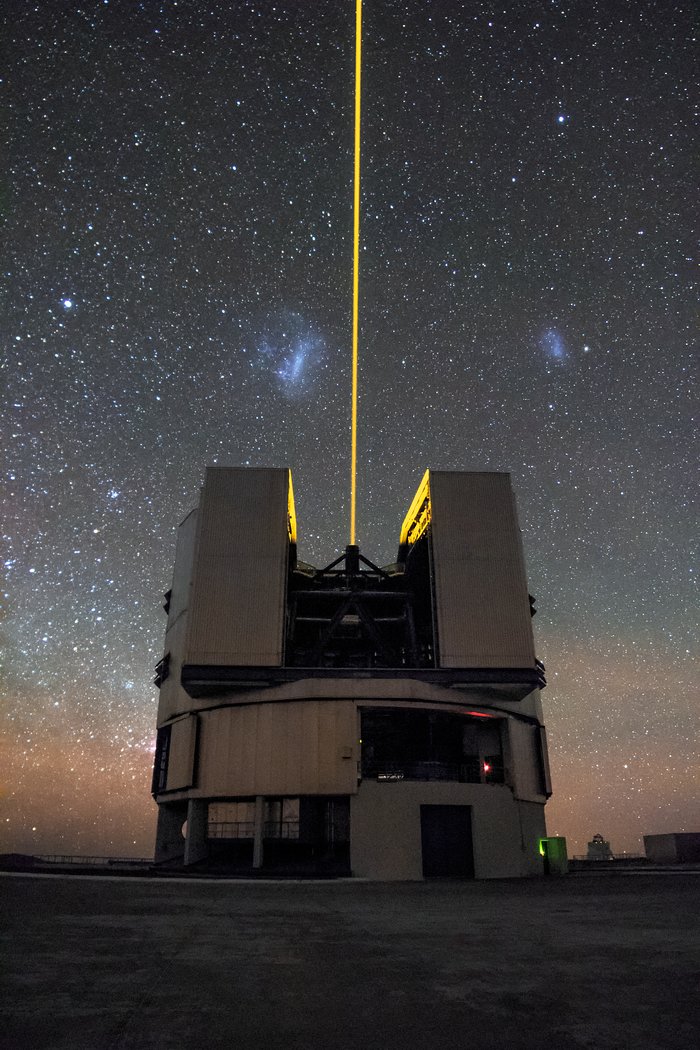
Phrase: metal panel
(524, 756)
(295, 754)
(183, 741)
(279, 749)
(328, 736)
(544, 759)
(267, 749)
(238, 587)
(182, 571)
(173, 699)
(481, 597)
(309, 717)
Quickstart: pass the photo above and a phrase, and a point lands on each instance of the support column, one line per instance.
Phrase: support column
(170, 845)
(196, 841)
(259, 830)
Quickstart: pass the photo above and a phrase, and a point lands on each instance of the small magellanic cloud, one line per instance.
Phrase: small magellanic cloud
(553, 346)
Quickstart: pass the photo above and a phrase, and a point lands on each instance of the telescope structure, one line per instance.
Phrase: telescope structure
(382, 722)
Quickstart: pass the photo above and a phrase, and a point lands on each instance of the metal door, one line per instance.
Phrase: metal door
(446, 841)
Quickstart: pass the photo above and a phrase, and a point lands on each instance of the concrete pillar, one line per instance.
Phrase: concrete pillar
(259, 831)
(170, 845)
(196, 841)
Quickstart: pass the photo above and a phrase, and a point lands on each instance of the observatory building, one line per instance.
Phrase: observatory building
(380, 722)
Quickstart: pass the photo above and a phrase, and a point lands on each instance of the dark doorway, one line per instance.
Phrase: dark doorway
(446, 841)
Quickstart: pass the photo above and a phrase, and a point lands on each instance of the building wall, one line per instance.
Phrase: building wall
(661, 848)
(523, 759)
(302, 738)
(303, 748)
(173, 700)
(310, 747)
(674, 848)
(237, 604)
(688, 847)
(409, 689)
(182, 570)
(293, 744)
(182, 752)
(481, 597)
(385, 829)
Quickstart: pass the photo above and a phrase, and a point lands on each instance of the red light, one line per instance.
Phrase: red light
(479, 714)
(487, 767)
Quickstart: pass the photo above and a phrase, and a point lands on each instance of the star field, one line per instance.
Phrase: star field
(177, 292)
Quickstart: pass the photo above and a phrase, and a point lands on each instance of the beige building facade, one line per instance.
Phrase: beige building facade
(381, 722)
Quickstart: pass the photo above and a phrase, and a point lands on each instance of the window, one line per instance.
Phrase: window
(401, 744)
(160, 763)
(232, 820)
(281, 819)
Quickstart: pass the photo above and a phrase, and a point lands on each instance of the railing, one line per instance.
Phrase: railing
(363, 657)
(245, 829)
(463, 773)
(281, 829)
(231, 829)
(74, 858)
(612, 857)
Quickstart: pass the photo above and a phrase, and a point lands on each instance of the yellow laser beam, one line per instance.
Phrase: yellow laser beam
(355, 268)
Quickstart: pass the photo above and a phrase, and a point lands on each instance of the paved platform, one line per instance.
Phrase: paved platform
(146, 964)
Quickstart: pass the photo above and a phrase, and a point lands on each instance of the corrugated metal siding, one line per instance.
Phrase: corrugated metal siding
(481, 597)
(183, 739)
(278, 749)
(237, 608)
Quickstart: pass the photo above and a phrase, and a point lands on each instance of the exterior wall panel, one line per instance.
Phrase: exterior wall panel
(237, 605)
(328, 740)
(264, 747)
(483, 611)
(183, 738)
(386, 834)
(309, 718)
(182, 571)
(525, 760)
(173, 700)
(532, 829)
(278, 749)
(675, 848)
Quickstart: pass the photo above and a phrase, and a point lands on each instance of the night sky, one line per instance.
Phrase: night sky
(176, 265)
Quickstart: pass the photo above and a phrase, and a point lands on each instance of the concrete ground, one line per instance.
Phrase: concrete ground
(144, 964)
